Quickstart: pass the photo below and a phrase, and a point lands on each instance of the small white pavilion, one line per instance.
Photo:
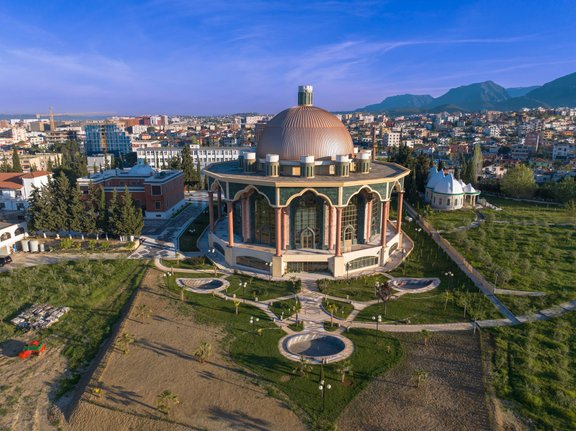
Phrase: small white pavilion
(444, 192)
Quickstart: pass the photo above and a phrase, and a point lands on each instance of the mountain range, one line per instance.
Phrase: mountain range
(484, 95)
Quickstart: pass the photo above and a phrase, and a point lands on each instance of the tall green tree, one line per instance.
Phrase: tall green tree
(4, 167)
(73, 163)
(60, 195)
(16, 165)
(518, 182)
(77, 213)
(475, 165)
(128, 219)
(188, 167)
(39, 210)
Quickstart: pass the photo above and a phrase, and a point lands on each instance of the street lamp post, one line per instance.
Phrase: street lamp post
(323, 388)
(347, 270)
(449, 274)
(253, 322)
(269, 265)
(378, 320)
(243, 286)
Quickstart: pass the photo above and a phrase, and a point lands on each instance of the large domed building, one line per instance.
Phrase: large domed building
(305, 200)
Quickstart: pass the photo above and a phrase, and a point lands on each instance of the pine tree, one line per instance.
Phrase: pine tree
(475, 165)
(4, 167)
(76, 211)
(188, 167)
(16, 166)
(50, 165)
(60, 191)
(129, 220)
(40, 209)
(198, 174)
(112, 222)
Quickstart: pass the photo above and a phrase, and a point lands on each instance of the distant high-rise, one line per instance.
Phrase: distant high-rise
(106, 139)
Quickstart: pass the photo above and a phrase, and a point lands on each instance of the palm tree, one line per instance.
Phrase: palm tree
(303, 367)
(143, 312)
(166, 400)
(332, 309)
(426, 336)
(343, 368)
(203, 351)
(448, 297)
(124, 341)
(421, 376)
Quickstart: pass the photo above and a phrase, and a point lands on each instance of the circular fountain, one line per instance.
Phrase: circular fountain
(316, 347)
(202, 285)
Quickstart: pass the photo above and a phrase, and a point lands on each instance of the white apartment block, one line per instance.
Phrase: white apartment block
(563, 151)
(162, 156)
(392, 139)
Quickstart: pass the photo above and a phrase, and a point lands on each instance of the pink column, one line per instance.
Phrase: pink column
(400, 201)
(278, 214)
(330, 227)
(285, 228)
(230, 224)
(211, 210)
(384, 228)
(368, 220)
(338, 231)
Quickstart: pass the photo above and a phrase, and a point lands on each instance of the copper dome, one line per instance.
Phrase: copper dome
(304, 131)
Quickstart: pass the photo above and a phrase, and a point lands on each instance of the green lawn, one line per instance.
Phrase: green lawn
(343, 309)
(94, 290)
(258, 288)
(518, 249)
(426, 260)
(427, 307)
(285, 308)
(188, 263)
(374, 354)
(361, 288)
(533, 366)
(448, 220)
(188, 240)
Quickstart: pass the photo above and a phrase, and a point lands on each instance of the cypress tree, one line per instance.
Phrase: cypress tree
(60, 191)
(475, 164)
(40, 209)
(129, 220)
(112, 220)
(76, 211)
(16, 166)
(188, 167)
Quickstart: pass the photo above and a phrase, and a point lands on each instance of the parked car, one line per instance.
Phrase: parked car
(4, 260)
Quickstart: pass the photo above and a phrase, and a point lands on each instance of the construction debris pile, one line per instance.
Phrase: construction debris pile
(39, 316)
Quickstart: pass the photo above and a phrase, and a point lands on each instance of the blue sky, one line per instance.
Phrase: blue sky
(218, 56)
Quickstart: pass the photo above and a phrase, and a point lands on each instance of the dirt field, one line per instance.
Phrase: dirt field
(26, 386)
(452, 398)
(215, 395)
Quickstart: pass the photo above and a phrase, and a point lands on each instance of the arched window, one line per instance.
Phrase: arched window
(264, 221)
(350, 220)
(5, 236)
(19, 231)
(306, 221)
(375, 218)
(308, 238)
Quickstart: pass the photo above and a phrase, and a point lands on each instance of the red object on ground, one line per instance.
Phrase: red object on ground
(33, 348)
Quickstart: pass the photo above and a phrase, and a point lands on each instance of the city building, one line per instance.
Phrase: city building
(563, 151)
(16, 188)
(159, 194)
(10, 234)
(306, 200)
(159, 158)
(392, 139)
(106, 139)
